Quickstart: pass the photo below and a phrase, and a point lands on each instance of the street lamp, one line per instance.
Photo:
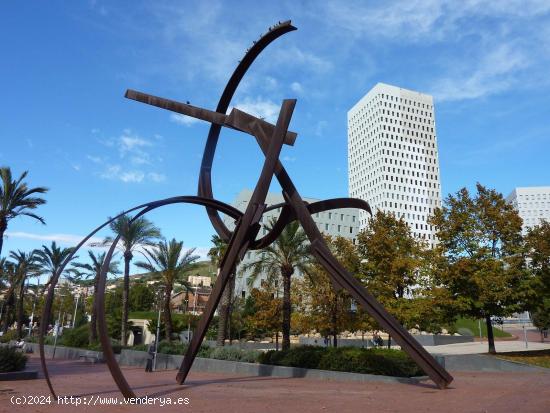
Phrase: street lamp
(158, 330)
(75, 307)
(188, 315)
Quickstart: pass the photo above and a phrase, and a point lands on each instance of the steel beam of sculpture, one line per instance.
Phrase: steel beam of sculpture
(270, 139)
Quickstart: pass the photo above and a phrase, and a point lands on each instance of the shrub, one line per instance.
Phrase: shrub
(234, 354)
(115, 344)
(75, 337)
(8, 336)
(179, 348)
(357, 360)
(11, 359)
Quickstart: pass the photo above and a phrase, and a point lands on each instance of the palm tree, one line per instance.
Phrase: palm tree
(168, 262)
(216, 254)
(94, 270)
(50, 259)
(16, 200)
(288, 253)
(139, 232)
(25, 266)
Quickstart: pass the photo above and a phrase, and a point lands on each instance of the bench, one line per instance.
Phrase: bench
(91, 356)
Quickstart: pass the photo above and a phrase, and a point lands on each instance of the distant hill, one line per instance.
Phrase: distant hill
(202, 268)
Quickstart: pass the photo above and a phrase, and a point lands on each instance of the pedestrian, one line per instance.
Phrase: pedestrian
(150, 357)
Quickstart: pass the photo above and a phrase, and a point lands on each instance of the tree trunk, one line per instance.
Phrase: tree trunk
(490, 337)
(223, 314)
(286, 309)
(389, 341)
(334, 321)
(168, 327)
(20, 310)
(93, 318)
(125, 295)
(8, 306)
(230, 307)
(3, 227)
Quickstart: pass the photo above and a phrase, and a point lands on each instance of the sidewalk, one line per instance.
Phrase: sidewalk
(502, 346)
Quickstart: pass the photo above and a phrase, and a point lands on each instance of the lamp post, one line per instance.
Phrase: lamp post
(56, 333)
(193, 312)
(277, 332)
(158, 331)
(75, 308)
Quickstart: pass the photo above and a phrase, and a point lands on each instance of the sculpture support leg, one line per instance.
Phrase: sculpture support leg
(244, 234)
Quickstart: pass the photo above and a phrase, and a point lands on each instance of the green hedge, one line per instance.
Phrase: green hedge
(351, 359)
(11, 359)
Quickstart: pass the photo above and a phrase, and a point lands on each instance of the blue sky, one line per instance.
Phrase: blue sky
(66, 65)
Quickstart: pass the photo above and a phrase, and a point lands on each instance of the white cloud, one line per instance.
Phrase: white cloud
(66, 239)
(118, 173)
(495, 72)
(156, 177)
(308, 61)
(183, 119)
(297, 87)
(425, 20)
(129, 142)
(289, 158)
(262, 108)
(94, 159)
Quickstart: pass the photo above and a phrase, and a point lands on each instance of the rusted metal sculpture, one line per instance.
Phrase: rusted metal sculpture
(270, 138)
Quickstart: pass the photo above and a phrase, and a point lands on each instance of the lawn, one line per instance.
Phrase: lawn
(539, 358)
(465, 324)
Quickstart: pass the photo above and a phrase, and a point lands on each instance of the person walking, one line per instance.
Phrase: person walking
(150, 357)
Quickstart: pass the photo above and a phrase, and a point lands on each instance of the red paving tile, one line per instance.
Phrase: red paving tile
(207, 392)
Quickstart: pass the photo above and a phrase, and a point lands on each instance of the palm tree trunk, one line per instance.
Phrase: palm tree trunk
(3, 227)
(93, 318)
(223, 316)
(286, 309)
(168, 327)
(125, 295)
(490, 337)
(224, 319)
(20, 310)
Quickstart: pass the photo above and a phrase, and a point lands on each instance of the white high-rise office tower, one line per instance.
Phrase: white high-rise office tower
(532, 204)
(392, 156)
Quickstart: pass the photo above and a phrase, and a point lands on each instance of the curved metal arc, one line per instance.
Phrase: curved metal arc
(287, 215)
(205, 175)
(207, 202)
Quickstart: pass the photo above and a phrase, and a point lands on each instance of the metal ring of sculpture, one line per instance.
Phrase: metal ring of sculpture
(270, 138)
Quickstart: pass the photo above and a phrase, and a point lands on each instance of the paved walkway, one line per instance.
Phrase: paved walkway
(480, 347)
(470, 392)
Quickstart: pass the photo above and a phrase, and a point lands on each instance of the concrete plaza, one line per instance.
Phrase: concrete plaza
(207, 392)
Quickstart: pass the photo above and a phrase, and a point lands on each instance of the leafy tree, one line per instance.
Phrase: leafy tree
(25, 266)
(320, 305)
(133, 234)
(168, 262)
(265, 315)
(93, 270)
(538, 258)
(392, 260)
(481, 239)
(16, 199)
(142, 297)
(289, 252)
